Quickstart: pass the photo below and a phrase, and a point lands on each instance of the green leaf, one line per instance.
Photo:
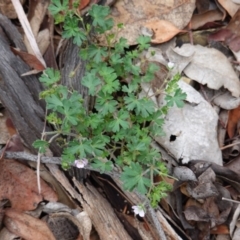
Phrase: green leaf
(120, 121)
(97, 53)
(137, 145)
(121, 46)
(83, 53)
(172, 85)
(102, 166)
(110, 77)
(116, 59)
(41, 145)
(68, 156)
(49, 77)
(79, 37)
(144, 42)
(72, 108)
(79, 148)
(91, 81)
(54, 102)
(99, 14)
(132, 102)
(177, 99)
(143, 106)
(159, 192)
(132, 177)
(120, 135)
(93, 120)
(106, 71)
(58, 6)
(70, 27)
(99, 143)
(133, 86)
(54, 119)
(105, 104)
(130, 67)
(151, 70)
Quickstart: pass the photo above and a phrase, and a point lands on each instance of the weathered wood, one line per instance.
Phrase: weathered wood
(99, 210)
(20, 95)
(73, 69)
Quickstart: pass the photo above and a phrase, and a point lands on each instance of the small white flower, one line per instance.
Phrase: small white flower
(170, 65)
(138, 210)
(81, 163)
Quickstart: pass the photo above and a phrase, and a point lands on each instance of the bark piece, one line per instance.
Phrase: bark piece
(99, 210)
(73, 69)
(21, 95)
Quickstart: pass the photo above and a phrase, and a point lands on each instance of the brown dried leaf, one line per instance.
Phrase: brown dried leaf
(202, 5)
(163, 30)
(211, 208)
(43, 40)
(26, 226)
(230, 34)
(83, 4)
(221, 35)
(18, 183)
(202, 191)
(28, 58)
(14, 144)
(7, 9)
(36, 14)
(194, 213)
(229, 6)
(224, 207)
(233, 119)
(221, 229)
(28, 31)
(136, 13)
(198, 20)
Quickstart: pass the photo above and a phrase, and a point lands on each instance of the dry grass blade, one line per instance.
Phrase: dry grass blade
(27, 30)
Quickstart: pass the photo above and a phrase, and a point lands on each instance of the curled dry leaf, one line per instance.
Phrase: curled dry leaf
(230, 35)
(85, 224)
(183, 173)
(199, 20)
(36, 13)
(210, 66)
(223, 119)
(43, 40)
(162, 30)
(30, 59)
(233, 120)
(226, 101)
(18, 183)
(26, 226)
(14, 144)
(195, 129)
(229, 6)
(28, 31)
(194, 213)
(52, 207)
